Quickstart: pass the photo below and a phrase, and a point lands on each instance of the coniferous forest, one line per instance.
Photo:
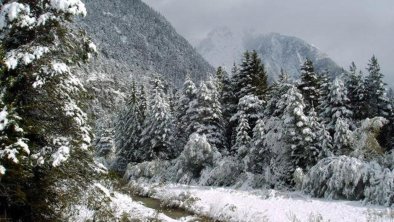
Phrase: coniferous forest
(321, 136)
(327, 135)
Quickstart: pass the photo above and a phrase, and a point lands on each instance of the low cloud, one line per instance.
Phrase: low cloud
(346, 30)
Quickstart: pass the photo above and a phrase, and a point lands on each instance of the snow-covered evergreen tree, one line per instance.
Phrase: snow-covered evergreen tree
(206, 116)
(251, 79)
(375, 91)
(284, 77)
(128, 128)
(355, 90)
(220, 75)
(377, 101)
(342, 139)
(325, 142)
(273, 107)
(188, 94)
(325, 86)
(260, 154)
(336, 106)
(229, 107)
(309, 85)
(299, 135)
(43, 124)
(157, 135)
(242, 141)
(259, 75)
(251, 107)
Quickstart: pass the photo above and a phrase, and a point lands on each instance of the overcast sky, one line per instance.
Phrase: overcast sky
(346, 30)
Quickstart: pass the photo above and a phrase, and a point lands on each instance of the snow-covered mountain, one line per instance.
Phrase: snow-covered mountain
(223, 47)
(134, 42)
(133, 39)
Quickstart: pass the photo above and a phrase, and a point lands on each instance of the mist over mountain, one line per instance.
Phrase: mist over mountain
(223, 47)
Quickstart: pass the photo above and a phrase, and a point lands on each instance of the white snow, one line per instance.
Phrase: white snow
(266, 205)
(93, 47)
(60, 67)
(42, 19)
(15, 56)
(119, 205)
(3, 118)
(10, 153)
(74, 7)
(15, 12)
(23, 145)
(103, 189)
(2, 170)
(60, 156)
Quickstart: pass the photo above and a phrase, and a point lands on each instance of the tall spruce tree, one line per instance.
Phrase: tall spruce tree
(259, 75)
(375, 91)
(284, 77)
(128, 130)
(325, 85)
(336, 106)
(260, 154)
(242, 141)
(252, 108)
(229, 106)
(378, 103)
(342, 139)
(157, 141)
(188, 94)
(356, 93)
(220, 75)
(309, 85)
(251, 79)
(43, 125)
(272, 107)
(299, 135)
(206, 115)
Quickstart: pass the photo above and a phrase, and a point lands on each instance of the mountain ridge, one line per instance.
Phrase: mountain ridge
(223, 47)
(134, 42)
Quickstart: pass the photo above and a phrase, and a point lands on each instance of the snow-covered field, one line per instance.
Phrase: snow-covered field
(263, 205)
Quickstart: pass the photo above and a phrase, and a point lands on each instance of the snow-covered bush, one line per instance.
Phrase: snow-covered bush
(146, 170)
(350, 178)
(224, 173)
(198, 154)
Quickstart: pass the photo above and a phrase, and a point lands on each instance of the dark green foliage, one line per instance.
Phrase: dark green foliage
(157, 138)
(377, 102)
(188, 94)
(128, 129)
(309, 86)
(220, 75)
(251, 78)
(44, 106)
(356, 93)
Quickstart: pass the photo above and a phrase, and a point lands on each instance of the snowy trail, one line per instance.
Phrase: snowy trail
(257, 205)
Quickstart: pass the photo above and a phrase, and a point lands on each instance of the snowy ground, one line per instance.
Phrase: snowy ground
(123, 206)
(257, 205)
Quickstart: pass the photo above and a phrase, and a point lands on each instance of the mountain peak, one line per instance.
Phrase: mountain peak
(223, 47)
